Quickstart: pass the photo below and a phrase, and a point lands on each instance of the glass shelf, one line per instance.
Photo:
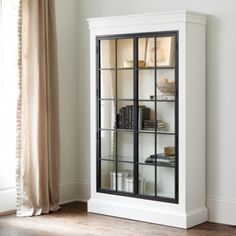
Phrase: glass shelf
(157, 68)
(140, 131)
(170, 165)
(157, 100)
(114, 160)
(157, 132)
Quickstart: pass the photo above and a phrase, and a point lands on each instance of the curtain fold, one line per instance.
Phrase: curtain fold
(38, 143)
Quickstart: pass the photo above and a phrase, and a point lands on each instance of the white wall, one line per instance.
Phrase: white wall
(67, 36)
(221, 84)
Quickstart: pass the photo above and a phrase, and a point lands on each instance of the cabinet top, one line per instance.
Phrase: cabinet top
(151, 18)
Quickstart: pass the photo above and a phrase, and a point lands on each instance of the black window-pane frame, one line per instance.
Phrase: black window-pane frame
(136, 101)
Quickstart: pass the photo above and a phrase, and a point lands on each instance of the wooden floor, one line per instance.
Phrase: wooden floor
(73, 219)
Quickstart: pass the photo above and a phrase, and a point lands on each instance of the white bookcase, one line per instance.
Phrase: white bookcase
(134, 121)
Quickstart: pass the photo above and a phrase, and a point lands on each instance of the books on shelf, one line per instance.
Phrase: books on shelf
(160, 158)
(125, 118)
(143, 114)
(151, 124)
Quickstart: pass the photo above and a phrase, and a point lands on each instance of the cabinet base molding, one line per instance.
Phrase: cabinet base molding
(154, 215)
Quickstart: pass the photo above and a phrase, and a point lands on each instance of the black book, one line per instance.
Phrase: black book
(118, 121)
(144, 114)
(126, 126)
(131, 116)
(122, 118)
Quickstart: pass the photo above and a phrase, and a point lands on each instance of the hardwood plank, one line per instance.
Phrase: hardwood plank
(73, 219)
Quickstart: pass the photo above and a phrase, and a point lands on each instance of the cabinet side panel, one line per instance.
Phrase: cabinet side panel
(196, 116)
(93, 133)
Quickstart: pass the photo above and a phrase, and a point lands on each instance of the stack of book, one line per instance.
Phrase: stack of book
(150, 125)
(125, 118)
(161, 158)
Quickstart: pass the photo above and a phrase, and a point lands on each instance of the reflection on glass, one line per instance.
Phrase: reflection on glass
(146, 148)
(165, 182)
(108, 116)
(125, 53)
(125, 146)
(107, 53)
(108, 83)
(147, 180)
(125, 177)
(107, 170)
(146, 85)
(165, 48)
(147, 51)
(125, 84)
(108, 145)
(142, 51)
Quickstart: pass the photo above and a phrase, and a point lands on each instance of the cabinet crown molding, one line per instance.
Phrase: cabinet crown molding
(150, 18)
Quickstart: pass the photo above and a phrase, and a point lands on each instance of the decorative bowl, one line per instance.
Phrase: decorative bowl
(166, 86)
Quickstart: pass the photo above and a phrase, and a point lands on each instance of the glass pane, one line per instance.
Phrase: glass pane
(165, 141)
(146, 50)
(108, 84)
(146, 84)
(107, 170)
(125, 84)
(108, 145)
(146, 115)
(166, 117)
(142, 51)
(165, 84)
(107, 53)
(146, 148)
(147, 180)
(125, 53)
(108, 116)
(166, 150)
(165, 50)
(125, 146)
(165, 182)
(125, 116)
(125, 177)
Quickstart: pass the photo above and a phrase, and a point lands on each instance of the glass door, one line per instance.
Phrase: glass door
(137, 115)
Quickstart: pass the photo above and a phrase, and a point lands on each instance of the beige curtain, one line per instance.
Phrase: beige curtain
(38, 147)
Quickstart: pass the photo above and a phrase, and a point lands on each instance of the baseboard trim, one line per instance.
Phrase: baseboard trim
(222, 210)
(6, 213)
(7, 200)
(74, 190)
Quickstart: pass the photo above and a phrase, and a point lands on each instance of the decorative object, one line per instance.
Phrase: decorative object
(164, 51)
(130, 64)
(170, 151)
(166, 86)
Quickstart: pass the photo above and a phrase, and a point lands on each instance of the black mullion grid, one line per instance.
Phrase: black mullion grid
(98, 101)
(116, 136)
(155, 123)
(136, 140)
(156, 34)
